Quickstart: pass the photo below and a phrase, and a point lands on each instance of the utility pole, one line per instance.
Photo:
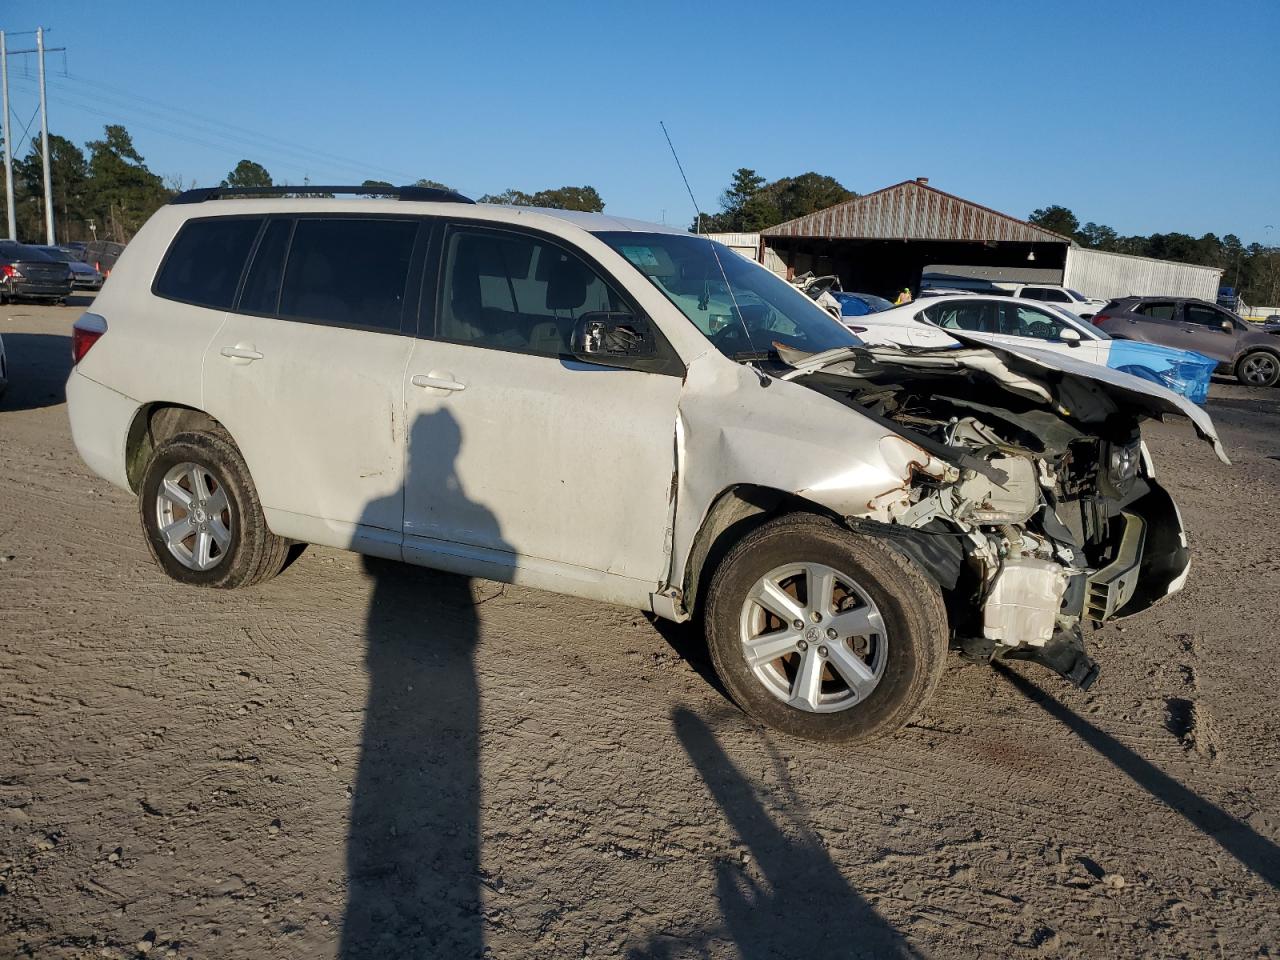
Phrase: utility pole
(44, 143)
(8, 143)
(40, 51)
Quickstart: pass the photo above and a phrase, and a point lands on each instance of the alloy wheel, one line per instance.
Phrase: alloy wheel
(193, 515)
(813, 637)
(1259, 369)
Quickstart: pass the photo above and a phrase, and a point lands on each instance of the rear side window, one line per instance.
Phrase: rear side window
(348, 272)
(205, 261)
(262, 287)
(1156, 311)
(975, 316)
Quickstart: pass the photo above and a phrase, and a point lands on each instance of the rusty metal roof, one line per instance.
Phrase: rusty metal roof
(912, 210)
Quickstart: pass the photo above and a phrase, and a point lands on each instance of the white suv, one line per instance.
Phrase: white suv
(1062, 297)
(624, 412)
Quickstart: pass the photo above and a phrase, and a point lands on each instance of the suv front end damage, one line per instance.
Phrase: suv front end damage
(1048, 515)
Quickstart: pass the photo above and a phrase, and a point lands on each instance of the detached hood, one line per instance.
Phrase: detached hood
(1041, 374)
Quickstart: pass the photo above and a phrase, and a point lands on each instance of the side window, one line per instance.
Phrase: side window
(975, 316)
(1034, 293)
(1204, 316)
(262, 287)
(1022, 321)
(516, 292)
(348, 272)
(204, 263)
(1160, 310)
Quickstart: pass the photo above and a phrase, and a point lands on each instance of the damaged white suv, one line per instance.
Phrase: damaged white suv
(624, 412)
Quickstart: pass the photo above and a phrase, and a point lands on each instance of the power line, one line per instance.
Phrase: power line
(186, 115)
(201, 137)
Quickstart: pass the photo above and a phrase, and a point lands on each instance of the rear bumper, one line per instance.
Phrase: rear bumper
(35, 288)
(100, 420)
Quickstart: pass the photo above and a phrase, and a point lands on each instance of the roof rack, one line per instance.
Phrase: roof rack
(433, 194)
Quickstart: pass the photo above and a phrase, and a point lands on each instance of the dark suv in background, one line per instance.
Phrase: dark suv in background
(1249, 352)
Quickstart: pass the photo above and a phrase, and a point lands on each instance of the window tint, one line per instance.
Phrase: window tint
(1156, 311)
(1205, 316)
(262, 287)
(976, 316)
(516, 292)
(1017, 320)
(204, 263)
(348, 272)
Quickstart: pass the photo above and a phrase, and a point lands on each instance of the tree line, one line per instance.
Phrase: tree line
(752, 203)
(106, 190)
(1253, 269)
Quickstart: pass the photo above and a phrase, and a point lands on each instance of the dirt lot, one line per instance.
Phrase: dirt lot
(368, 760)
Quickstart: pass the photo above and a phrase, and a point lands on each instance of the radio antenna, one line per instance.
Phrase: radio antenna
(764, 380)
(679, 166)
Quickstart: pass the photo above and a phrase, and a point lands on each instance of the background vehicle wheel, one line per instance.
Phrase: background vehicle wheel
(201, 515)
(823, 633)
(1258, 369)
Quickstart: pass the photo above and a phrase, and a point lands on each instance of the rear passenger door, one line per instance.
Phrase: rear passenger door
(524, 463)
(307, 373)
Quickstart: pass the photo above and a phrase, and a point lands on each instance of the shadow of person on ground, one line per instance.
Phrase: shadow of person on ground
(413, 846)
(790, 899)
(37, 365)
(1254, 851)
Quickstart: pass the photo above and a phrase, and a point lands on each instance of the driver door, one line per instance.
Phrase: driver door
(524, 463)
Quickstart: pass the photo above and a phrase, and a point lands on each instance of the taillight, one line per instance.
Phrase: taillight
(85, 332)
(9, 270)
(1098, 318)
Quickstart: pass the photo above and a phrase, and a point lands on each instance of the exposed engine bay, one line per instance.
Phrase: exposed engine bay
(1032, 505)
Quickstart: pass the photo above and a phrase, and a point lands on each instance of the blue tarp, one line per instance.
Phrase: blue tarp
(1182, 371)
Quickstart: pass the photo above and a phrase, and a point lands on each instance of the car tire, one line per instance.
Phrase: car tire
(1258, 368)
(198, 484)
(903, 649)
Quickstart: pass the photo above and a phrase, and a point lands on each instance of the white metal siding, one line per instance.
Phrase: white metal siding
(1096, 273)
(746, 244)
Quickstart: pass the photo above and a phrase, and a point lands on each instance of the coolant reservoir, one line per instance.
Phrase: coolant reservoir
(1024, 602)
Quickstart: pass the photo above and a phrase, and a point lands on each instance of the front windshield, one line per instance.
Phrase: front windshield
(745, 317)
(1079, 296)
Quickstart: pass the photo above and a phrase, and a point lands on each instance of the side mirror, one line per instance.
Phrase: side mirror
(1070, 336)
(603, 337)
(1228, 327)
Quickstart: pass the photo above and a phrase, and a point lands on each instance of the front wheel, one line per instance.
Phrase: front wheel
(201, 515)
(825, 634)
(1261, 368)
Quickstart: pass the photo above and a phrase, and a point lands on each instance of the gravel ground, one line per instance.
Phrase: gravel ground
(364, 759)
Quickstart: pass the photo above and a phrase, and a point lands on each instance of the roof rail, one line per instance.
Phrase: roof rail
(433, 194)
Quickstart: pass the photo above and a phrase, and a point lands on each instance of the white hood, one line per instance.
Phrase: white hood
(1021, 369)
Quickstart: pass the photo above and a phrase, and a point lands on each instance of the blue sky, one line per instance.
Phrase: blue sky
(1145, 116)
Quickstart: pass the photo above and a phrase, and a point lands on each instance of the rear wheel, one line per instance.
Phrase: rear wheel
(1261, 368)
(823, 633)
(201, 515)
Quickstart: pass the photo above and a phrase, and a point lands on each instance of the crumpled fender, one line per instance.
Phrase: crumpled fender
(736, 426)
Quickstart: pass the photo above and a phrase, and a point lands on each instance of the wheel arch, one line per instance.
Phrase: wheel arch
(737, 511)
(155, 422)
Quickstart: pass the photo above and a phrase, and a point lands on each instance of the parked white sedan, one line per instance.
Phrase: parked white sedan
(1000, 320)
(1014, 322)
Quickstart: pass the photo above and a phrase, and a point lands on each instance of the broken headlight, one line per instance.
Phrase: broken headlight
(1123, 462)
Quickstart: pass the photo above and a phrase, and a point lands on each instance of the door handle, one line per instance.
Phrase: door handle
(241, 353)
(438, 381)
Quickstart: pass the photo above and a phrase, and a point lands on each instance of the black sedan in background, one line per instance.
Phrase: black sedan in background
(84, 276)
(27, 272)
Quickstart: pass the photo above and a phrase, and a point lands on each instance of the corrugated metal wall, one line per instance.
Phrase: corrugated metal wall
(912, 211)
(1096, 273)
